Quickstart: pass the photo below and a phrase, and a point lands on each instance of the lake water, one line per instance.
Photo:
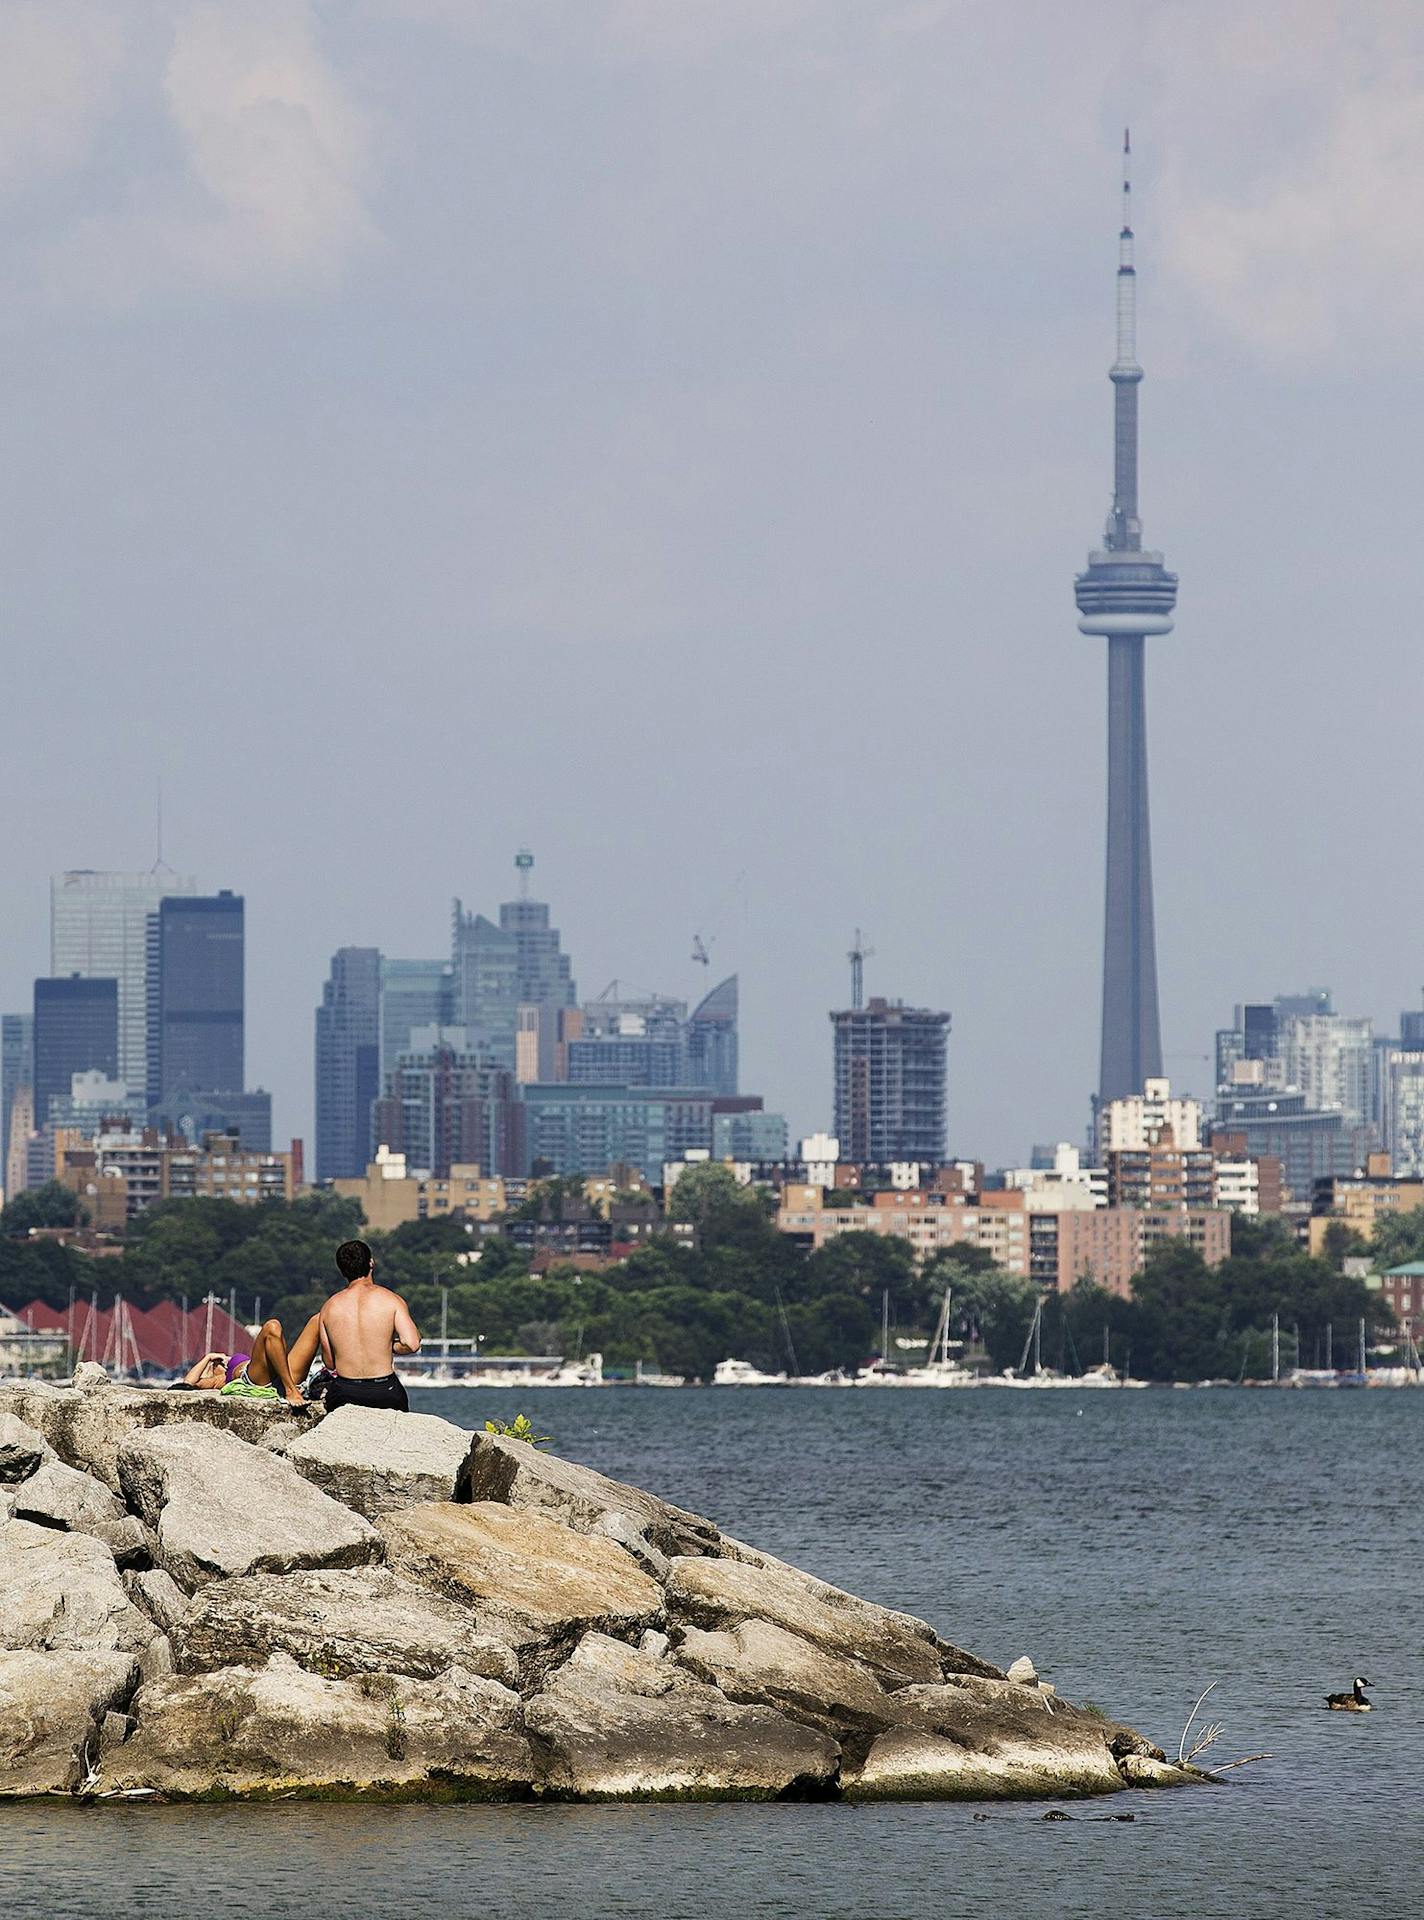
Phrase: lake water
(1137, 1545)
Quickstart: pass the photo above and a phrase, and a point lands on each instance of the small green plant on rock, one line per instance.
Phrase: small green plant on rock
(522, 1429)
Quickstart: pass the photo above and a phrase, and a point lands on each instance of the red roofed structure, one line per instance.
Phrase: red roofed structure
(129, 1339)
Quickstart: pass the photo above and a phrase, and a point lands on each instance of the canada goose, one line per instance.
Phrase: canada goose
(1354, 1702)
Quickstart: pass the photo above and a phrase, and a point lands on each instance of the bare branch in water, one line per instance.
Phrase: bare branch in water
(1214, 1771)
(1182, 1744)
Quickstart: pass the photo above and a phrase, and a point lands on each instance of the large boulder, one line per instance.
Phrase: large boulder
(531, 1582)
(720, 1594)
(758, 1660)
(23, 1449)
(377, 1460)
(277, 1729)
(338, 1624)
(157, 1594)
(620, 1723)
(61, 1592)
(220, 1507)
(52, 1709)
(86, 1425)
(516, 1474)
(60, 1496)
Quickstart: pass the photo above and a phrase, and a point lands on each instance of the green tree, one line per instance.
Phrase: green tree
(1398, 1238)
(52, 1205)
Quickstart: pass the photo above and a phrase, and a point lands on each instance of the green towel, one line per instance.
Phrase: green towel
(241, 1388)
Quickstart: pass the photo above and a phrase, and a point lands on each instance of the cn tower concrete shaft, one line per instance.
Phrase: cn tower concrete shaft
(1131, 1033)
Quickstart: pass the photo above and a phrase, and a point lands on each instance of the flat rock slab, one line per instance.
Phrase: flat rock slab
(61, 1592)
(52, 1708)
(908, 1764)
(375, 1460)
(718, 1594)
(518, 1475)
(60, 1496)
(86, 1427)
(622, 1724)
(277, 1729)
(337, 1624)
(221, 1508)
(529, 1580)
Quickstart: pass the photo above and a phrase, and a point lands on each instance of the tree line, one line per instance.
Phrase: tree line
(742, 1289)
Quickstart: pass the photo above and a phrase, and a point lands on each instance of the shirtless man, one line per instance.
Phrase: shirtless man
(361, 1327)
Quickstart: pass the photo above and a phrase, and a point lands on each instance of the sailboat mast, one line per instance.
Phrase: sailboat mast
(885, 1326)
(1363, 1366)
(1275, 1348)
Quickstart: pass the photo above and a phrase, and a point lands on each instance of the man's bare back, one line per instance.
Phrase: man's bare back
(362, 1328)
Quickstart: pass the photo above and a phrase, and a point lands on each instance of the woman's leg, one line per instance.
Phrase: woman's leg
(270, 1366)
(303, 1349)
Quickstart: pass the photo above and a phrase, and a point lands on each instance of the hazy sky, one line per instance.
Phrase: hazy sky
(664, 433)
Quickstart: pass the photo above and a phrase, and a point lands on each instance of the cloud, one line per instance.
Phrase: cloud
(58, 72)
(213, 148)
(1294, 225)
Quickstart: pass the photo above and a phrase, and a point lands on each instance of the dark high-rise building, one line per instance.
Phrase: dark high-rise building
(194, 1112)
(76, 1030)
(195, 1016)
(348, 1056)
(17, 1069)
(890, 1082)
(516, 965)
(1125, 595)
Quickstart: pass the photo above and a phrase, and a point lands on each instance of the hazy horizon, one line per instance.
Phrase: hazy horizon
(665, 437)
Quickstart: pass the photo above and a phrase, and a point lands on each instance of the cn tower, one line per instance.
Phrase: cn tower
(1126, 594)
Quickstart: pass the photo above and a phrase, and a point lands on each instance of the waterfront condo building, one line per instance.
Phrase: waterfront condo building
(890, 1083)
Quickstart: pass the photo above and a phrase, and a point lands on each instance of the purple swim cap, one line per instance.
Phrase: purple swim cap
(236, 1363)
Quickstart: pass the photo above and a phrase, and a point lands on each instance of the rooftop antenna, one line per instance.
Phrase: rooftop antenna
(523, 863)
(858, 956)
(160, 865)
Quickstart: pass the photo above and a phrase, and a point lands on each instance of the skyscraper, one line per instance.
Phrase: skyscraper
(519, 963)
(76, 1030)
(195, 1026)
(348, 1053)
(890, 1082)
(711, 1040)
(98, 928)
(17, 1069)
(1126, 594)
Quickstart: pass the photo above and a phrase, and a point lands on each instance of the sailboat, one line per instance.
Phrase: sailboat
(941, 1369)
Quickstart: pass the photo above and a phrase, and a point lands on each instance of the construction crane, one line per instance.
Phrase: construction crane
(699, 951)
(858, 956)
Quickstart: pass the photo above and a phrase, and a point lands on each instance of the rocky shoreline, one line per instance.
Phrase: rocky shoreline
(206, 1598)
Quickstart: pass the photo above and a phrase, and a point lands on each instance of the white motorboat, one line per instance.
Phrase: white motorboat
(741, 1373)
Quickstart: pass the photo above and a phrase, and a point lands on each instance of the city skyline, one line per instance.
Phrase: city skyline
(426, 489)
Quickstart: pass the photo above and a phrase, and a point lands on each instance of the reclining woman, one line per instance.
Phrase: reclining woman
(257, 1375)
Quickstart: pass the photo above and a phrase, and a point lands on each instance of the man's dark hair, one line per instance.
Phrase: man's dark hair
(353, 1257)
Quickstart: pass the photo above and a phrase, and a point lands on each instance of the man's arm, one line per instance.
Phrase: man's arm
(407, 1334)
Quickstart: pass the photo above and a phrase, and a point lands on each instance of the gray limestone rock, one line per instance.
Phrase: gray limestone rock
(723, 1593)
(60, 1496)
(90, 1377)
(620, 1723)
(376, 1460)
(518, 1475)
(61, 1592)
(86, 1427)
(338, 1624)
(159, 1596)
(52, 1710)
(757, 1660)
(220, 1508)
(531, 1582)
(277, 1729)
(22, 1450)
